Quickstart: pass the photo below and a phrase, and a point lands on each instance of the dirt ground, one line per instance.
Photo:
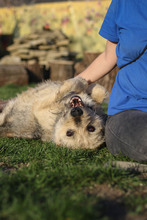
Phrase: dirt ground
(112, 198)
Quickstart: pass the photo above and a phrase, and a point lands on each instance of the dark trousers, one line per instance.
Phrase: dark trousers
(126, 133)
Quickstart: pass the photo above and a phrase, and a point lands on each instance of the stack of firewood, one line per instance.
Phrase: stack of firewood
(43, 51)
(45, 55)
(41, 46)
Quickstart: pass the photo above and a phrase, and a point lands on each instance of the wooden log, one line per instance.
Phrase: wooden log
(14, 47)
(13, 74)
(35, 43)
(63, 49)
(32, 36)
(79, 67)
(62, 43)
(61, 69)
(10, 60)
(25, 56)
(35, 72)
(21, 51)
(53, 55)
(37, 53)
(89, 57)
(47, 47)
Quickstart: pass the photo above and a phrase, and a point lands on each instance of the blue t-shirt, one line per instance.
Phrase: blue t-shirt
(126, 23)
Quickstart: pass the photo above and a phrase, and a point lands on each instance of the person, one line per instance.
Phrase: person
(125, 28)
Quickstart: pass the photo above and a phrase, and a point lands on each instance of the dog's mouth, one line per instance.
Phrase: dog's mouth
(76, 101)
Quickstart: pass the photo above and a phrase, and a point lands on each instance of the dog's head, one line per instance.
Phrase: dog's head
(81, 124)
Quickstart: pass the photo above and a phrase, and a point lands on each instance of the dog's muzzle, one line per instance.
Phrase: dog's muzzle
(76, 104)
(76, 111)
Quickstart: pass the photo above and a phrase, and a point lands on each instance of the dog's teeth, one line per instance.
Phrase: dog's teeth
(76, 101)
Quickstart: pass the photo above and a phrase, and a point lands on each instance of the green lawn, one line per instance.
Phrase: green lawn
(40, 181)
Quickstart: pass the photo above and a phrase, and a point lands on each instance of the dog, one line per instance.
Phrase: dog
(67, 113)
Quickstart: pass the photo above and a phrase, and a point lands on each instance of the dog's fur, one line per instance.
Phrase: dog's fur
(67, 113)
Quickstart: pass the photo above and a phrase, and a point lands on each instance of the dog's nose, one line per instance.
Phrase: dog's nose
(76, 111)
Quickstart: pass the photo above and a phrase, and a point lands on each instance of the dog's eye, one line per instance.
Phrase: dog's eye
(69, 133)
(90, 128)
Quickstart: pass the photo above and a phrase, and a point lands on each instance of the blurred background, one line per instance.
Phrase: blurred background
(43, 37)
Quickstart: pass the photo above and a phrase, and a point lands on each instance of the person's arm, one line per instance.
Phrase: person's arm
(103, 64)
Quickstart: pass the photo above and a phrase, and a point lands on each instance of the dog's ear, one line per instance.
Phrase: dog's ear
(97, 92)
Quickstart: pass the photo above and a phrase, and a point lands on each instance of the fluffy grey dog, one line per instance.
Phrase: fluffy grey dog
(67, 113)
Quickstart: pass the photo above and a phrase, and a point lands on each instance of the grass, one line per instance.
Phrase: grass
(40, 181)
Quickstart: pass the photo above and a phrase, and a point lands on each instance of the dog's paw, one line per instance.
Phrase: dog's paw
(80, 84)
(76, 84)
(97, 92)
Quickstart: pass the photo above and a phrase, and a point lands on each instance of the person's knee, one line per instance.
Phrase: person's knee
(119, 142)
(111, 143)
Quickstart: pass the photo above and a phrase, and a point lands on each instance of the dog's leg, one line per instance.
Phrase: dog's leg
(2, 104)
(97, 92)
(76, 84)
(5, 109)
